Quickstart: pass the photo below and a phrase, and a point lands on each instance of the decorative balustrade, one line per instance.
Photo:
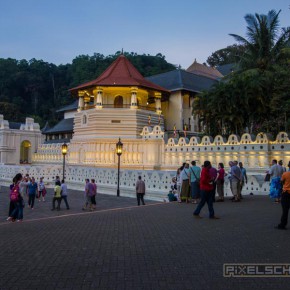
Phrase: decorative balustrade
(255, 152)
(157, 182)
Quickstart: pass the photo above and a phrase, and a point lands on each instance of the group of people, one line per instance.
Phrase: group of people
(190, 183)
(200, 184)
(90, 195)
(26, 187)
(193, 182)
(187, 182)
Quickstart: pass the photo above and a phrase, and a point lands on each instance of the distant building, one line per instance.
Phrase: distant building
(63, 131)
(18, 141)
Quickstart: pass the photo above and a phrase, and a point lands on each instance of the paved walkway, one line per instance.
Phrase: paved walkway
(122, 246)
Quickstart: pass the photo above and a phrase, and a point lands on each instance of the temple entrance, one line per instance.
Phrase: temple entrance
(25, 152)
(118, 102)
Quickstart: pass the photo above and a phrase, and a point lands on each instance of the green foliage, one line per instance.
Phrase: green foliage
(228, 55)
(256, 96)
(10, 111)
(37, 89)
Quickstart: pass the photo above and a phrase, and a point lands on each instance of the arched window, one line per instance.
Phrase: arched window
(118, 102)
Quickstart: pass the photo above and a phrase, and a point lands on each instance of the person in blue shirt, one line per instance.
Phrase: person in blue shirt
(194, 181)
(32, 192)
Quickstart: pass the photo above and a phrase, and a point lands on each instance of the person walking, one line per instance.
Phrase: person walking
(93, 198)
(24, 186)
(32, 192)
(91, 195)
(213, 173)
(41, 189)
(206, 188)
(275, 172)
(194, 181)
(57, 195)
(244, 177)
(185, 189)
(64, 193)
(140, 190)
(15, 203)
(285, 200)
(220, 180)
(235, 179)
(87, 195)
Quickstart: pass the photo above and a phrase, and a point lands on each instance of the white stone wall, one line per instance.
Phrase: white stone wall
(151, 152)
(157, 162)
(157, 182)
(255, 152)
(11, 140)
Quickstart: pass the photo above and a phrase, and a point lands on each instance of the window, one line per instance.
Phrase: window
(118, 102)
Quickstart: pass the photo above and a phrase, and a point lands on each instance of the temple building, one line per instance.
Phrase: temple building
(165, 99)
(120, 102)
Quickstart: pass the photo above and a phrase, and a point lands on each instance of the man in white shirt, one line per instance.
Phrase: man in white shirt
(64, 193)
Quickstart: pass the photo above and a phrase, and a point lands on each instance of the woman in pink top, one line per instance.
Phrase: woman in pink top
(220, 180)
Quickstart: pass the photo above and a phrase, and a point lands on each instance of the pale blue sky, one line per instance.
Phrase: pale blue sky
(58, 31)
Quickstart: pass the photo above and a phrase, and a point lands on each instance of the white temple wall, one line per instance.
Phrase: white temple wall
(157, 182)
(11, 141)
(152, 153)
(158, 161)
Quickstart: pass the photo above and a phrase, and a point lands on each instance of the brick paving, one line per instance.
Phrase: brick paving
(122, 246)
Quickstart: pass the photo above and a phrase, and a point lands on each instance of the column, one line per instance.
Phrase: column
(158, 103)
(81, 101)
(99, 103)
(134, 104)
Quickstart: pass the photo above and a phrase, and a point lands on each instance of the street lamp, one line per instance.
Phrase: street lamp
(119, 148)
(64, 152)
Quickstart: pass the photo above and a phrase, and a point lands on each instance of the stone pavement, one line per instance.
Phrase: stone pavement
(122, 246)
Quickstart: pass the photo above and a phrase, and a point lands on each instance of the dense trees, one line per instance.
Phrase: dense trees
(256, 96)
(36, 88)
(230, 54)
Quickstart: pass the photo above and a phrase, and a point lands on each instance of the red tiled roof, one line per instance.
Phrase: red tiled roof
(121, 73)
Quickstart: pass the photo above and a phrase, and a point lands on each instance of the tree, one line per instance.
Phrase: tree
(266, 42)
(230, 54)
(255, 96)
(37, 88)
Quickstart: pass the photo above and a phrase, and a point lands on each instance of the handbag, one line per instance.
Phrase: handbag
(267, 177)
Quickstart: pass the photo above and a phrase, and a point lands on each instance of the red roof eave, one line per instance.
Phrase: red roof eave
(121, 73)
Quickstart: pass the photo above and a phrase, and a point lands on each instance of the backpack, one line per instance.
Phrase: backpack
(14, 193)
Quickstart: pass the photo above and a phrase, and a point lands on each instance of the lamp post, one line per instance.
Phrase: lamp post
(64, 152)
(119, 148)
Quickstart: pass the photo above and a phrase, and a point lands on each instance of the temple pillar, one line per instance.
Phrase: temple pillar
(99, 101)
(158, 103)
(81, 101)
(134, 104)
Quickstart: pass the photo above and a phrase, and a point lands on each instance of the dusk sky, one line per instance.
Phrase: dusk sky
(58, 31)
